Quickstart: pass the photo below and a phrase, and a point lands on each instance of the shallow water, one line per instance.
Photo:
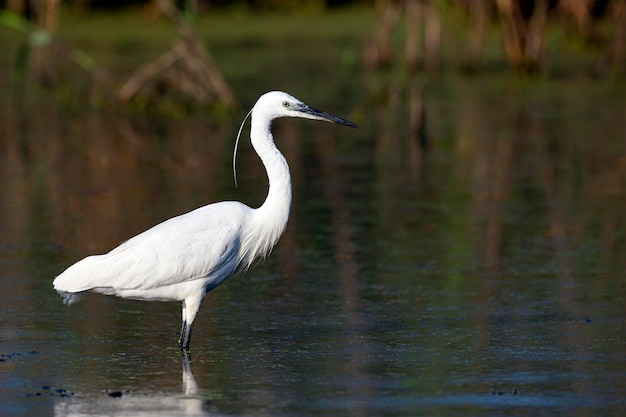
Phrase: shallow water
(482, 274)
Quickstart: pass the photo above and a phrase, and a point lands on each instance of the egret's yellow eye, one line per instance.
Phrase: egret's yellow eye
(286, 104)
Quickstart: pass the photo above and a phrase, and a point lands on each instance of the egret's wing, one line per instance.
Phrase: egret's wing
(200, 244)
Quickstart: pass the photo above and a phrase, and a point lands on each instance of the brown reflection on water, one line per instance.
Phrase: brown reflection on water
(488, 157)
(348, 271)
(552, 154)
(531, 183)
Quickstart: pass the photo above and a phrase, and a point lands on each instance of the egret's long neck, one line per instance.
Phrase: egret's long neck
(279, 195)
(269, 220)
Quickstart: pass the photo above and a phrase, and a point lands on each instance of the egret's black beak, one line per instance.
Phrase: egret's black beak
(313, 113)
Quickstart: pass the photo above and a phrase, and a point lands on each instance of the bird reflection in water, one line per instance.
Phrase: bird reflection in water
(188, 403)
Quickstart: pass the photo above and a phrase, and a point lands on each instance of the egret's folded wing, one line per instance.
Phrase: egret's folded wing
(202, 243)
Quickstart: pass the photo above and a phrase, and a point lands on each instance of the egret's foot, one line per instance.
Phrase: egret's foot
(182, 345)
(184, 336)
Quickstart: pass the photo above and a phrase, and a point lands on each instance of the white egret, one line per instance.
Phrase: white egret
(186, 256)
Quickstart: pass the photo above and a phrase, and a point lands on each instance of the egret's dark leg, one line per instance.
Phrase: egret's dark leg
(190, 309)
(185, 336)
(182, 335)
(183, 328)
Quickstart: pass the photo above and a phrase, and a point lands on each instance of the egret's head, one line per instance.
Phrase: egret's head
(278, 104)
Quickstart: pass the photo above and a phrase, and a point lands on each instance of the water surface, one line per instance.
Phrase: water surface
(480, 274)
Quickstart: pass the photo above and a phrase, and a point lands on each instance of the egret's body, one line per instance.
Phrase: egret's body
(186, 256)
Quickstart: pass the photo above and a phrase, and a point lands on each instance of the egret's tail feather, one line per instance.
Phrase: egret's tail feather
(71, 297)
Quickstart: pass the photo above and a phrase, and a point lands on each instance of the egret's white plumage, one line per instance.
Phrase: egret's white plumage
(186, 256)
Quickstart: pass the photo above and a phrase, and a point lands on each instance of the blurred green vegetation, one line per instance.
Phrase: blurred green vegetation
(256, 47)
(230, 36)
